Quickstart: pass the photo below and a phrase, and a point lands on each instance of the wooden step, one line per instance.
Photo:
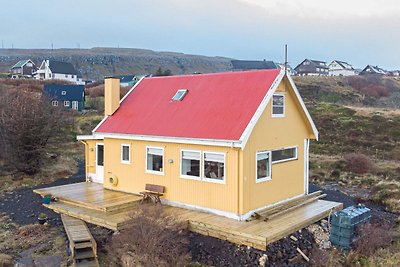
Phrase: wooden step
(87, 263)
(81, 245)
(84, 254)
(110, 221)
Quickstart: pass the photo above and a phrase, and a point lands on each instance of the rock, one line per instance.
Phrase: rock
(263, 260)
(49, 261)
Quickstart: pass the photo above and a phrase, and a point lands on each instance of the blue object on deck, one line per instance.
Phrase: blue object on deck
(46, 200)
(344, 222)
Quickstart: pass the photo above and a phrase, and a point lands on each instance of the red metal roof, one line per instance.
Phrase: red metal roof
(216, 106)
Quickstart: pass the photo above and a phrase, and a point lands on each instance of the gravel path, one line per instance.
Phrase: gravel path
(23, 206)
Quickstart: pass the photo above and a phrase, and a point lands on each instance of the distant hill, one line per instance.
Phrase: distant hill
(95, 63)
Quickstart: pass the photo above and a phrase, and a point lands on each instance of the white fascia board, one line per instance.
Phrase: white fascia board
(100, 123)
(263, 105)
(86, 137)
(169, 139)
(133, 87)
(310, 120)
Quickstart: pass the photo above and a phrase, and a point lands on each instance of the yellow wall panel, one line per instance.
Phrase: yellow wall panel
(269, 134)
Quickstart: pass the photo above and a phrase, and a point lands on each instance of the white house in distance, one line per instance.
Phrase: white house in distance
(58, 70)
(341, 68)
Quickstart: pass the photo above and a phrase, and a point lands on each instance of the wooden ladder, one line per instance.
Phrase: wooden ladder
(81, 242)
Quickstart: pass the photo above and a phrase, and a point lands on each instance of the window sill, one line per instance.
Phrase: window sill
(126, 162)
(211, 180)
(188, 177)
(278, 115)
(154, 172)
(260, 180)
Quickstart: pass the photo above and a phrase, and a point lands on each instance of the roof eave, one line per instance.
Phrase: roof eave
(169, 139)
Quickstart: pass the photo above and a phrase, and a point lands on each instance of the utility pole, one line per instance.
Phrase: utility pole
(286, 59)
(2, 44)
(52, 47)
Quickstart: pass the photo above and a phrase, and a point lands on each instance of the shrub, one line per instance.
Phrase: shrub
(152, 238)
(358, 163)
(319, 258)
(27, 124)
(372, 236)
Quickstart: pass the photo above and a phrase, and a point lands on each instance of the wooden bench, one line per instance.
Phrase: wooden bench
(153, 192)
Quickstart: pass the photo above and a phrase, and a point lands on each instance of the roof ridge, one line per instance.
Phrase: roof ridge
(214, 73)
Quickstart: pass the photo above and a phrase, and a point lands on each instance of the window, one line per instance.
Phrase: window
(278, 105)
(66, 75)
(214, 167)
(155, 160)
(54, 103)
(72, 76)
(190, 164)
(263, 166)
(49, 75)
(180, 94)
(125, 153)
(63, 92)
(66, 103)
(285, 154)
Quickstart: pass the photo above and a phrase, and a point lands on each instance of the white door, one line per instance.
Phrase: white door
(99, 163)
(75, 105)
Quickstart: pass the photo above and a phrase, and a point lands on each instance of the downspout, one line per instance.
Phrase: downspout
(239, 182)
(86, 158)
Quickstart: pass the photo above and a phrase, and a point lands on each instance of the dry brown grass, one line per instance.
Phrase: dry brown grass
(42, 239)
(153, 238)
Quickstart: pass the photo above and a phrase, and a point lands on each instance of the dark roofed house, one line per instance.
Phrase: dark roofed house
(23, 68)
(309, 67)
(58, 70)
(127, 80)
(239, 65)
(69, 96)
(369, 69)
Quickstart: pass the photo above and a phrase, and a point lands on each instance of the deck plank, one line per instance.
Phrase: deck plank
(256, 233)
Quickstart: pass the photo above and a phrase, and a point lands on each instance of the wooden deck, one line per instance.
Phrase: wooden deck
(91, 195)
(256, 233)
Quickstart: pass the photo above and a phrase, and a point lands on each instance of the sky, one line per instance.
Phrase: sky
(360, 32)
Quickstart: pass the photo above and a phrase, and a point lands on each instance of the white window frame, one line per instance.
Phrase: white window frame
(163, 161)
(284, 106)
(54, 103)
(63, 92)
(129, 154)
(183, 91)
(185, 176)
(267, 178)
(211, 180)
(66, 103)
(284, 160)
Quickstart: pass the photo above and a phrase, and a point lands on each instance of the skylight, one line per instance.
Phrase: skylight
(180, 94)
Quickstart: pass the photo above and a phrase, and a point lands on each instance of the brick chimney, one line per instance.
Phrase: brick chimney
(111, 95)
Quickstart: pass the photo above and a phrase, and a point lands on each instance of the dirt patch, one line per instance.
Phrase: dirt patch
(23, 205)
(215, 252)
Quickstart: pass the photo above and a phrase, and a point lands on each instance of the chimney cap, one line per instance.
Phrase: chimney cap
(111, 77)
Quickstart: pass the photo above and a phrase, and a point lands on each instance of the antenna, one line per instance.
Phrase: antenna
(286, 58)
(52, 46)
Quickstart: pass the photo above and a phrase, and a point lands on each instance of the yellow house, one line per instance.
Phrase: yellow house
(226, 143)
